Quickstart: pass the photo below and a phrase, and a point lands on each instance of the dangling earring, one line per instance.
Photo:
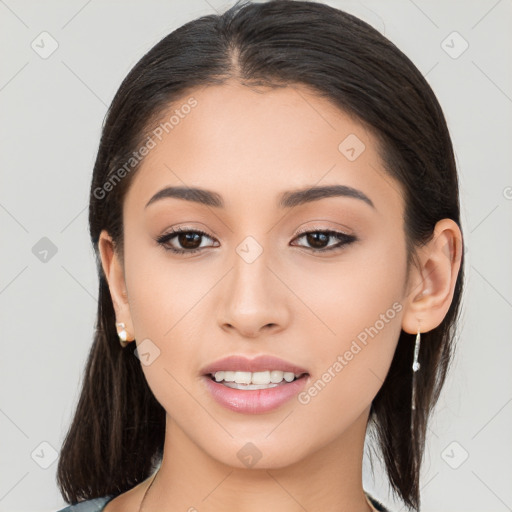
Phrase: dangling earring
(123, 334)
(415, 368)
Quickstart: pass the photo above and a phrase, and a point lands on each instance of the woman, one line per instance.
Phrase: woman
(275, 213)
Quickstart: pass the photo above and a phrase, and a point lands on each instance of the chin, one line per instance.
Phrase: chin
(257, 453)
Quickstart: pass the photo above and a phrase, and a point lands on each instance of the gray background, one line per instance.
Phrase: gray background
(51, 114)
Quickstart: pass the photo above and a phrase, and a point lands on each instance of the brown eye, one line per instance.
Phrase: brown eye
(318, 240)
(188, 240)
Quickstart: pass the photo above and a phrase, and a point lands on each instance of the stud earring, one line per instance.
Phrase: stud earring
(123, 334)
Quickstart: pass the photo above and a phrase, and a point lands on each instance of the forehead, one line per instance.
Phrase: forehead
(248, 144)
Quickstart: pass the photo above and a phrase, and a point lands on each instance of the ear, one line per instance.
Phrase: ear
(114, 273)
(431, 285)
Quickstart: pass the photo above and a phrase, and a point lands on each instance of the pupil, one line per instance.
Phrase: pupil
(187, 239)
(313, 239)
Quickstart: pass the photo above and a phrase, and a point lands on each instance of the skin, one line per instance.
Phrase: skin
(249, 146)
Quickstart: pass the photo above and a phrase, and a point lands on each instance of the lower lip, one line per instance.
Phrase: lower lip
(257, 400)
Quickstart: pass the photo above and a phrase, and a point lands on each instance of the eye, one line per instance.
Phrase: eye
(189, 239)
(319, 240)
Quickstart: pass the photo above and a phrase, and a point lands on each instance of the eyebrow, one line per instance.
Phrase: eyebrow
(288, 199)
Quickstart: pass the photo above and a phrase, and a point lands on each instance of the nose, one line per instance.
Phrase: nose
(254, 300)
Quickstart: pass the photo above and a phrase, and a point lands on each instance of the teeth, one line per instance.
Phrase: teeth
(257, 378)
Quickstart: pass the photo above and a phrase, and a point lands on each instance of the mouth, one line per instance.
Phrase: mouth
(254, 398)
(253, 386)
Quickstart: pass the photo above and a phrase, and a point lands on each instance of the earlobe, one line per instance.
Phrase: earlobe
(433, 283)
(113, 270)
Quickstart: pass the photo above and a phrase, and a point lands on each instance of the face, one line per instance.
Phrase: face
(315, 280)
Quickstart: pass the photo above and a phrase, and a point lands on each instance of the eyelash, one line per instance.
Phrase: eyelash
(344, 239)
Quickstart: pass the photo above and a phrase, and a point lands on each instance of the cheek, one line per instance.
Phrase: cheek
(348, 295)
(164, 301)
(358, 307)
(162, 291)
(350, 366)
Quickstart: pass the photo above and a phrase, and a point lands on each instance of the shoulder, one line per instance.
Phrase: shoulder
(376, 504)
(94, 505)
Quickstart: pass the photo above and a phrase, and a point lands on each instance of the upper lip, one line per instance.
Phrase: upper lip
(257, 364)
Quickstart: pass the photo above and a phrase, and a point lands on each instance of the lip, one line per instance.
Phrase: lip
(258, 364)
(254, 401)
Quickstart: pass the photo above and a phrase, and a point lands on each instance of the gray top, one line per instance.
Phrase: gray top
(94, 505)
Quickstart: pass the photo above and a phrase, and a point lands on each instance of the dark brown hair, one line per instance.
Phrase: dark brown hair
(116, 437)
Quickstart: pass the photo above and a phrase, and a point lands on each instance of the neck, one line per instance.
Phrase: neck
(327, 480)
